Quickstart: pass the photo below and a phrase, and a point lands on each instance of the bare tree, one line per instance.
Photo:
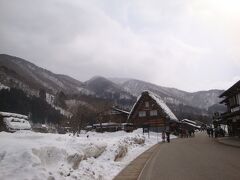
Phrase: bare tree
(81, 118)
(100, 111)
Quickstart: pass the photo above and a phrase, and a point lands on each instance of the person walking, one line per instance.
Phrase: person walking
(211, 131)
(186, 132)
(208, 132)
(193, 132)
(168, 135)
(181, 133)
(163, 136)
(190, 132)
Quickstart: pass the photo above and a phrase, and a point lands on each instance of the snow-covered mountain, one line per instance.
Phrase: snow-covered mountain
(201, 99)
(17, 72)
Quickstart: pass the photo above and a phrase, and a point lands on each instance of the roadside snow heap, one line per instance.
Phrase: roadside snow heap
(12, 122)
(30, 155)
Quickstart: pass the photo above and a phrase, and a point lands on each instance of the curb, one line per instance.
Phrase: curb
(130, 173)
(150, 158)
(227, 144)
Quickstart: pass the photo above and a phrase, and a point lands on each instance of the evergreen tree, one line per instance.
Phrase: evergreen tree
(17, 101)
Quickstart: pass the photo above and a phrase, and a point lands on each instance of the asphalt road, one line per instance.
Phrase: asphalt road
(197, 158)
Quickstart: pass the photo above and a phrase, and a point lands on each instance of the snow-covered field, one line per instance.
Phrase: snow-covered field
(29, 155)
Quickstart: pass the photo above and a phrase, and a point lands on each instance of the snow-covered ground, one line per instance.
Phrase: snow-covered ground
(29, 155)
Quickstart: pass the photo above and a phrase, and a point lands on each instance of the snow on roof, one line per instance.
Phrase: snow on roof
(160, 102)
(123, 124)
(134, 105)
(189, 121)
(193, 125)
(163, 105)
(7, 114)
(107, 124)
(13, 123)
(120, 110)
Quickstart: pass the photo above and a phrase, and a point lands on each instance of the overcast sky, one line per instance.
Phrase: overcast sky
(187, 44)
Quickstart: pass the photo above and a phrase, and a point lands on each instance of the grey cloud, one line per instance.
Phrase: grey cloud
(170, 43)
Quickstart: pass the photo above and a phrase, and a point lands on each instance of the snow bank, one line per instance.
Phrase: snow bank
(29, 155)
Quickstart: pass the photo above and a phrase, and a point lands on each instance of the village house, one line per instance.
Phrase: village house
(112, 119)
(151, 112)
(232, 116)
(187, 127)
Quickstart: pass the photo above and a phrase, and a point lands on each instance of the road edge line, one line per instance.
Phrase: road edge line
(158, 144)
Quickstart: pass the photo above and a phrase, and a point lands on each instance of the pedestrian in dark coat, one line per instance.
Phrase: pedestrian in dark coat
(190, 133)
(211, 132)
(168, 136)
(208, 132)
(193, 132)
(163, 136)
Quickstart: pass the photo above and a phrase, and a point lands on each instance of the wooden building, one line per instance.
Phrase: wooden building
(232, 116)
(150, 111)
(112, 119)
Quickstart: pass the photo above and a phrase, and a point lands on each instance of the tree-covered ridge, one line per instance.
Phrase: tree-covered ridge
(17, 101)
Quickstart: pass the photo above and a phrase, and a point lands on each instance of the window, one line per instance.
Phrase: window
(232, 101)
(147, 104)
(153, 113)
(238, 98)
(142, 114)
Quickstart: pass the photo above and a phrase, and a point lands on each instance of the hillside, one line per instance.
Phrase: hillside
(106, 89)
(200, 99)
(19, 73)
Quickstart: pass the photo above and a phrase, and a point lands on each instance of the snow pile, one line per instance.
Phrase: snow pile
(121, 152)
(29, 155)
